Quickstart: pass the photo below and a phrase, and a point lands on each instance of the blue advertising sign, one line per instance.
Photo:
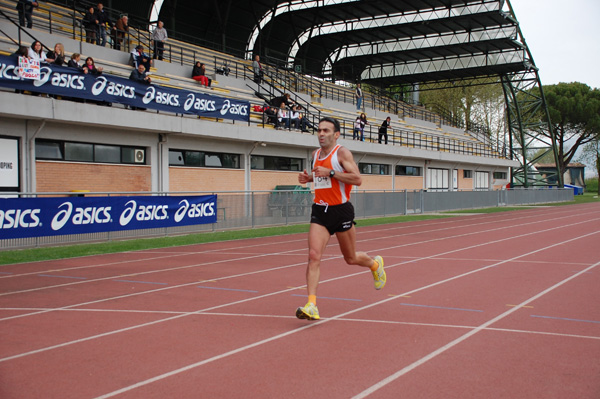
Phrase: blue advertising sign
(69, 82)
(38, 217)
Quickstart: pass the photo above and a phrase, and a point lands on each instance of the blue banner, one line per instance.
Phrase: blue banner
(38, 217)
(69, 82)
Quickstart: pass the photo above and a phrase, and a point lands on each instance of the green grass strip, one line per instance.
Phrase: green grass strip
(77, 250)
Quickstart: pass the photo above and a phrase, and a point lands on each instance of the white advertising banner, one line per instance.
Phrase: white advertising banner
(9, 163)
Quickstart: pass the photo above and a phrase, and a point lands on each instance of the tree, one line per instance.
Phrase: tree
(574, 110)
(591, 154)
(476, 106)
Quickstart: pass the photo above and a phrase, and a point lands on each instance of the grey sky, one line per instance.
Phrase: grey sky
(564, 38)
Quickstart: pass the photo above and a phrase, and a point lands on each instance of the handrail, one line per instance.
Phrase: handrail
(183, 54)
(20, 29)
(291, 80)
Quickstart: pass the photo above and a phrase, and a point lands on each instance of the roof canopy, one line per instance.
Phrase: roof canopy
(382, 42)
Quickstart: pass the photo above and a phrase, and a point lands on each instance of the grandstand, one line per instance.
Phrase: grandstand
(236, 155)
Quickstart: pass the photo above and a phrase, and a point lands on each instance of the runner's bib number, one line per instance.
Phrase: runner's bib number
(321, 182)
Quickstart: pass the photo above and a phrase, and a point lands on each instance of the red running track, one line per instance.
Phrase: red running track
(483, 306)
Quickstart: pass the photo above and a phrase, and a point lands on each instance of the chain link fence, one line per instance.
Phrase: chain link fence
(252, 209)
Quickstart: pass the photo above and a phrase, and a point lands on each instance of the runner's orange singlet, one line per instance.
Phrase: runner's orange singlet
(330, 191)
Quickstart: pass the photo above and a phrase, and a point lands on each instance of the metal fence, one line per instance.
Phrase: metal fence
(252, 209)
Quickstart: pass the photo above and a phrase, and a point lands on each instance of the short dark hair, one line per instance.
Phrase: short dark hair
(336, 124)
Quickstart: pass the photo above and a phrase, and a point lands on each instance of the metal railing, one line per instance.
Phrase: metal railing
(251, 209)
(68, 23)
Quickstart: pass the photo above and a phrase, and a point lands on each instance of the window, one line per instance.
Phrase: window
(176, 158)
(438, 179)
(88, 152)
(500, 175)
(482, 180)
(107, 153)
(48, 150)
(203, 159)
(468, 174)
(374, 169)
(402, 170)
(261, 162)
(79, 152)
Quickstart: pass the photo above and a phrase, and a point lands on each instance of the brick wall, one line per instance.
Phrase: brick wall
(375, 182)
(67, 176)
(268, 179)
(409, 183)
(205, 179)
(463, 183)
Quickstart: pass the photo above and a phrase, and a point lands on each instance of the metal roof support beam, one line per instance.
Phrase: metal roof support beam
(418, 43)
(383, 21)
(445, 64)
(527, 114)
(279, 9)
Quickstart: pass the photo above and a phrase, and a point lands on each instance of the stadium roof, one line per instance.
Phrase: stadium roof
(382, 42)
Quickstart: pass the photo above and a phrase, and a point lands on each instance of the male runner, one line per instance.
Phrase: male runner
(334, 172)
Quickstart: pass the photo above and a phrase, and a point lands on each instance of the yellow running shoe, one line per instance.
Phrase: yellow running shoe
(379, 274)
(308, 312)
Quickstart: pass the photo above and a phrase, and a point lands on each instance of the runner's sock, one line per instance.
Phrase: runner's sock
(312, 299)
(375, 265)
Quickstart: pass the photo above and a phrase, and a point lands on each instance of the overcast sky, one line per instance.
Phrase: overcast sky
(563, 37)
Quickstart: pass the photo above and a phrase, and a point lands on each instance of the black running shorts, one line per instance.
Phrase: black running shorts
(335, 218)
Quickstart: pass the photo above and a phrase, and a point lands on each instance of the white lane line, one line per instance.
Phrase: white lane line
(320, 323)
(464, 337)
(300, 249)
(278, 292)
(170, 255)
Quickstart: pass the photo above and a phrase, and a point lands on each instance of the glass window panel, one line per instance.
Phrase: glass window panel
(48, 150)
(128, 155)
(276, 163)
(194, 158)
(230, 161)
(213, 160)
(107, 153)
(257, 162)
(176, 157)
(79, 152)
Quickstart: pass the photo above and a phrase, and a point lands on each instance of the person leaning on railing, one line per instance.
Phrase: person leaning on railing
(103, 23)
(120, 30)
(56, 56)
(90, 23)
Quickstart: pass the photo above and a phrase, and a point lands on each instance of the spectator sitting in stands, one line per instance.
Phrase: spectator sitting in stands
(139, 75)
(283, 117)
(120, 30)
(139, 57)
(91, 68)
(90, 23)
(224, 70)
(74, 62)
(36, 53)
(304, 122)
(294, 117)
(56, 56)
(21, 52)
(199, 74)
